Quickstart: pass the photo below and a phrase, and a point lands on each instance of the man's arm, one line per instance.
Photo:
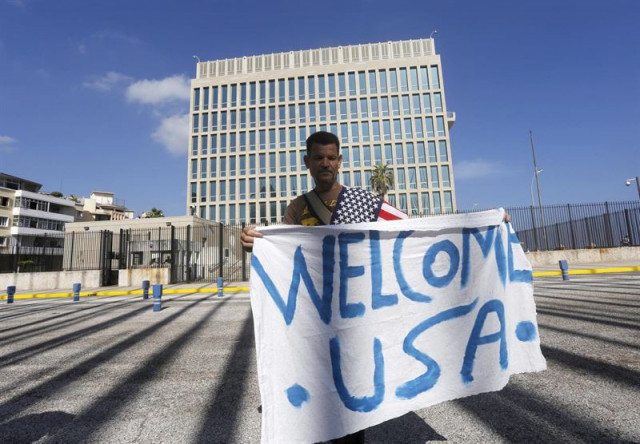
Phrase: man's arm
(249, 234)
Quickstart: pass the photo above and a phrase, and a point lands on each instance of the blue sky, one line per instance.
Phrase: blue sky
(94, 94)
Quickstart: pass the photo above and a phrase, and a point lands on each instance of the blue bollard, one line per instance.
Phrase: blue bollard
(145, 289)
(11, 290)
(220, 285)
(76, 292)
(564, 267)
(157, 297)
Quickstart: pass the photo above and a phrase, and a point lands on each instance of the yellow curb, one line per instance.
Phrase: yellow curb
(588, 271)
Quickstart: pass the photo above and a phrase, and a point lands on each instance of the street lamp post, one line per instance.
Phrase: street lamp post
(535, 173)
(637, 179)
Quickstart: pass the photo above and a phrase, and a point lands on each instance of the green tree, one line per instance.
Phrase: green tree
(57, 194)
(154, 212)
(381, 179)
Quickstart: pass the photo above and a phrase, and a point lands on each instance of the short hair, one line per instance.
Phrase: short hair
(323, 138)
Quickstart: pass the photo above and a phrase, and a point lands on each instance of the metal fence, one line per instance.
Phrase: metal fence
(204, 253)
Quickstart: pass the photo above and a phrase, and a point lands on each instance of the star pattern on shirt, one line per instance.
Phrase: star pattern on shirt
(356, 205)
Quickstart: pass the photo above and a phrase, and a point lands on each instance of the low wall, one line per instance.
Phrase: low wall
(134, 277)
(50, 280)
(590, 256)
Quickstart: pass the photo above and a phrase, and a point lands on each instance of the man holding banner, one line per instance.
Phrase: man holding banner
(357, 323)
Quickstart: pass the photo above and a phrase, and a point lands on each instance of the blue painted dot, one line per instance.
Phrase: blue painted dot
(526, 331)
(297, 395)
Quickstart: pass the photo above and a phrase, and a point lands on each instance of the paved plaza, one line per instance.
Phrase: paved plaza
(109, 369)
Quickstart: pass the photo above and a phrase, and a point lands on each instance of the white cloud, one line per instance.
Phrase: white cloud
(173, 133)
(154, 92)
(82, 48)
(108, 81)
(7, 144)
(475, 169)
(115, 35)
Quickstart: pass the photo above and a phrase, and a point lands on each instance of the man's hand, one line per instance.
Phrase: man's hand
(248, 235)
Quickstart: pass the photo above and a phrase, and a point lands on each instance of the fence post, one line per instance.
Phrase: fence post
(11, 290)
(564, 268)
(220, 287)
(244, 259)
(221, 250)
(573, 235)
(145, 289)
(188, 261)
(172, 267)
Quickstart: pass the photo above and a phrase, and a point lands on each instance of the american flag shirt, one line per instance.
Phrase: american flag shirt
(357, 205)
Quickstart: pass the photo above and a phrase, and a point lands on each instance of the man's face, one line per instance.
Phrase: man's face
(323, 162)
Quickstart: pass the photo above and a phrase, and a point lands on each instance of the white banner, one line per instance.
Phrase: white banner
(358, 324)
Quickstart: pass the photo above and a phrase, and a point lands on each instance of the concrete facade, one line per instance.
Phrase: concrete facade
(250, 117)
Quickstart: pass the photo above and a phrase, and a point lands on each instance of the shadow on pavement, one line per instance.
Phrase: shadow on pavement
(30, 428)
(407, 429)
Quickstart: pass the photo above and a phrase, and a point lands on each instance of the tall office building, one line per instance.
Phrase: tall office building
(250, 117)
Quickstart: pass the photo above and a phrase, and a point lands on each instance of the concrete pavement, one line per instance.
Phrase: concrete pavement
(109, 369)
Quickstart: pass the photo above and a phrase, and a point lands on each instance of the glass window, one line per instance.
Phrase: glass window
(353, 107)
(424, 182)
(356, 157)
(301, 88)
(365, 131)
(292, 137)
(214, 143)
(252, 93)
(293, 185)
(214, 121)
(272, 138)
(263, 92)
(272, 91)
(352, 83)
(203, 168)
(414, 78)
(223, 190)
(408, 132)
(281, 92)
(243, 94)
(196, 99)
(406, 107)
(437, 206)
(435, 182)
(223, 120)
(429, 122)
(357, 179)
(272, 187)
(311, 83)
(282, 115)
(372, 82)
(402, 202)
(364, 112)
(397, 129)
(424, 77)
(366, 150)
(252, 140)
(194, 145)
(263, 187)
(374, 107)
(243, 164)
(415, 99)
(355, 137)
(422, 156)
(224, 96)
(282, 137)
(399, 154)
(442, 148)
(223, 213)
(233, 119)
(413, 182)
(386, 128)
(343, 109)
(419, 132)
(395, 105)
(384, 102)
(415, 209)
(437, 102)
(283, 186)
(302, 113)
(401, 179)
(345, 154)
(243, 118)
(388, 154)
(304, 179)
(214, 165)
(194, 169)
(272, 163)
(196, 123)
(445, 176)
(234, 94)
(410, 153)
(377, 154)
(194, 192)
(214, 98)
(342, 84)
(293, 163)
(435, 78)
(321, 86)
(448, 203)
(252, 164)
(432, 152)
(346, 179)
(376, 130)
(362, 79)
(212, 190)
(243, 212)
(232, 189)
(393, 80)
(383, 81)
(263, 163)
(292, 114)
(404, 83)
(262, 139)
(312, 112)
(223, 167)
(223, 143)
(425, 203)
(440, 125)
(272, 115)
(332, 85)
(391, 198)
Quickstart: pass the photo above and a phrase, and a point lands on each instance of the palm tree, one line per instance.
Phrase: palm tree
(154, 212)
(381, 179)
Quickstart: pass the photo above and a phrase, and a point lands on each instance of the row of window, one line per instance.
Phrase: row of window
(293, 137)
(288, 186)
(36, 222)
(32, 204)
(317, 86)
(273, 211)
(317, 112)
(291, 161)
